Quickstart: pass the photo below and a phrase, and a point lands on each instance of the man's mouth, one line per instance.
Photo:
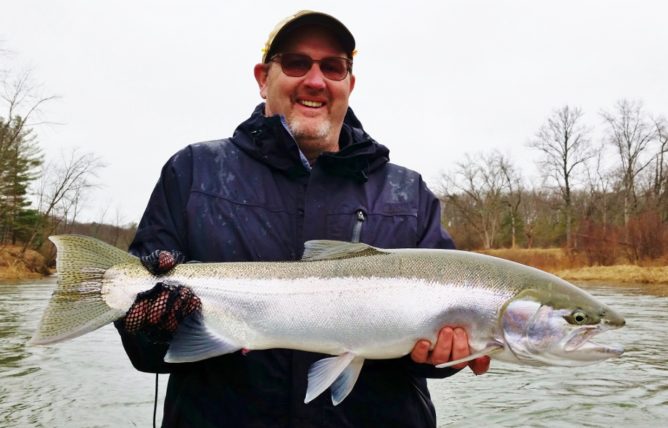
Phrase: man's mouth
(312, 104)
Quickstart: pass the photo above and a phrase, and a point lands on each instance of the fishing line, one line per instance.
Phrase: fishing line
(155, 400)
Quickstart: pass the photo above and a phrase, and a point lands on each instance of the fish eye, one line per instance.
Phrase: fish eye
(577, 317)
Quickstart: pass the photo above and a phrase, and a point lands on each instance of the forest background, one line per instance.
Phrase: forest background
(601, 200)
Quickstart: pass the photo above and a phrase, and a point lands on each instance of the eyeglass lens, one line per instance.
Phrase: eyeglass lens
(297, 65)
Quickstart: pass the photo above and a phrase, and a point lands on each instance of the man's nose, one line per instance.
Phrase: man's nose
(314, 78)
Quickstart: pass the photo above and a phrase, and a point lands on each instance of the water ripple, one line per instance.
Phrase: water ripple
(88, 382)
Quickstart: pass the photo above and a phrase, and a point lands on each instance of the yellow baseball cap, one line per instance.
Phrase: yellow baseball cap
(308, 17)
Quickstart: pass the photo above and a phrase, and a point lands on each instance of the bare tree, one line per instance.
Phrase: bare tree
(475, 189)
(630, 132)
(512, 195)
(20, 155)
(564, 142)
(23, 103)
(659, 184)
(62, 187)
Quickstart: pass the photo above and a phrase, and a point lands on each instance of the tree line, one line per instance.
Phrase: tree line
(40, 197)
(602, 194)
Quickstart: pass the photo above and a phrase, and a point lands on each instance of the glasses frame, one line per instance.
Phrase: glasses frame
(349, 64)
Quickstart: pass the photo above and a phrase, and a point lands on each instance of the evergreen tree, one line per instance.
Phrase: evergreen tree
(20, 159)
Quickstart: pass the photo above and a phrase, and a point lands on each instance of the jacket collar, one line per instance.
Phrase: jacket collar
(269, 140)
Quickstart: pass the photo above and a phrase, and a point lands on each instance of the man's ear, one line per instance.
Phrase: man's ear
(261, 72)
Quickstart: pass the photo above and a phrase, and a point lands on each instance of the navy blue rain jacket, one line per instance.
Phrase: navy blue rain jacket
(253, 197)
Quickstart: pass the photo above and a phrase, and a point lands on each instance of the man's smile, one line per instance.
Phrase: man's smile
(310, 103)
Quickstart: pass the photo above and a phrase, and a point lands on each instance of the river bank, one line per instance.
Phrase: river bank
(15, 267)
(574, 268)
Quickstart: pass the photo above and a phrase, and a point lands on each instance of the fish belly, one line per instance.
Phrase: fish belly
(371, 317)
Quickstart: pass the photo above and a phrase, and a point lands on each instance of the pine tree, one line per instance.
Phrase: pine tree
(20, 159)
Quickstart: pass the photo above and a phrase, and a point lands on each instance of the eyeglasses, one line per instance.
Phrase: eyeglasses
(297, 65)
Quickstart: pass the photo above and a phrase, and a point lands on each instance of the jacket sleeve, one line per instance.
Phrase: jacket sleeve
(162, 227)
(433, 236)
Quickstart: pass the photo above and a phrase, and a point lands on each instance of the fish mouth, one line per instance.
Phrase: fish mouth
(579, 342)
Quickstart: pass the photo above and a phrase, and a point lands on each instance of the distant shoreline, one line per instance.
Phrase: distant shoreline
(13, 268)
(618, 273)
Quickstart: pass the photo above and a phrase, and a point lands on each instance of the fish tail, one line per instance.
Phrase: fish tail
(77, 305)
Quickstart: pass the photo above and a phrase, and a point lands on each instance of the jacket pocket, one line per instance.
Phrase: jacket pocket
(380, 228)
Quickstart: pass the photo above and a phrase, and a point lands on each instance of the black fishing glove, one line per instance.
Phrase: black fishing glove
(162, 261)
(157, 312)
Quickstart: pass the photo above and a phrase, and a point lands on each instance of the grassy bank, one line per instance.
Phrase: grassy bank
(15, 266)
(574, 268)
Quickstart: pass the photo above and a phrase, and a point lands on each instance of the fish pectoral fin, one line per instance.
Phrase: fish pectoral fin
(489, 350)
(340, 372)
(323, 249)
(193, 341)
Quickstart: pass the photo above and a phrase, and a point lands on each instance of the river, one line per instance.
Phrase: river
(88, 382)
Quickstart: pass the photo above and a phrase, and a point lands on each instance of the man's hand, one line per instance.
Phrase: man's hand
(162, 261)
(159, 311)
(451, 344)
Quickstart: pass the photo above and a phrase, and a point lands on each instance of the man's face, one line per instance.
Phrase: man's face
(313, 105)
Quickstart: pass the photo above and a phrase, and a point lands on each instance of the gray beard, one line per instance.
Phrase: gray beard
(302, 131)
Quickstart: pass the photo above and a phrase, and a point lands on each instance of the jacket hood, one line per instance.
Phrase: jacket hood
(269, 140)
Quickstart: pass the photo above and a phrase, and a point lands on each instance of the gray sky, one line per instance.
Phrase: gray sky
(436, 80)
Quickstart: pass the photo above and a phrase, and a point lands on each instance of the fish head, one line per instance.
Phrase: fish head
(555, 325)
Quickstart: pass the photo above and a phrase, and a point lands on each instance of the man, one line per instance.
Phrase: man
(300, 168)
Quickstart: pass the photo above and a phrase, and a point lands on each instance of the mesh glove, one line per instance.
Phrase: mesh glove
(162, 261)
(159, 311)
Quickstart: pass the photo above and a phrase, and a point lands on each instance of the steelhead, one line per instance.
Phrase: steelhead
(349, 300)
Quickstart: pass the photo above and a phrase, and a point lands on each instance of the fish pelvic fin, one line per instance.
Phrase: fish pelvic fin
(340, 372)
(193, 341)
(333, 250)
(77, 305)
(490, 349)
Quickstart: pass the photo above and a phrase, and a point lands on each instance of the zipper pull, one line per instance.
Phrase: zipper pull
(357, 228)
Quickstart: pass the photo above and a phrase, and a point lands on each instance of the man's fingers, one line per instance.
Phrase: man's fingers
(443, 349)
(460, 347)
(420, 352)
(480, 365)
(451, 344)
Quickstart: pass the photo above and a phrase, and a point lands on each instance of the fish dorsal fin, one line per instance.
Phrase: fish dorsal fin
(332, 250)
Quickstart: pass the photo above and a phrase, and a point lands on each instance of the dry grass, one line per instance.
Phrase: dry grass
(574, 268)
(14, 266)
(549, 259)
(555, 260)
(618, 273)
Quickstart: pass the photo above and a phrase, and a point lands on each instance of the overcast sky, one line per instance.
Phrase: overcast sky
(139, 80)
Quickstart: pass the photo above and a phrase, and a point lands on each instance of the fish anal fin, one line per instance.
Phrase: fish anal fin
(346, 380)
(333, 371)
(333, 250)
(489, 350)
(193, 341)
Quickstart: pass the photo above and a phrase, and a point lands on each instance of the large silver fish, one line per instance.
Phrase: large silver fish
(352, 301)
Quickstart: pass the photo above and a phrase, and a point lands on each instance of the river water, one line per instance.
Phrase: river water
(88, 382)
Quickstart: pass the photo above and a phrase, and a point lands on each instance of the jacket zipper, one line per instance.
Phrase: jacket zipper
(357, 228)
